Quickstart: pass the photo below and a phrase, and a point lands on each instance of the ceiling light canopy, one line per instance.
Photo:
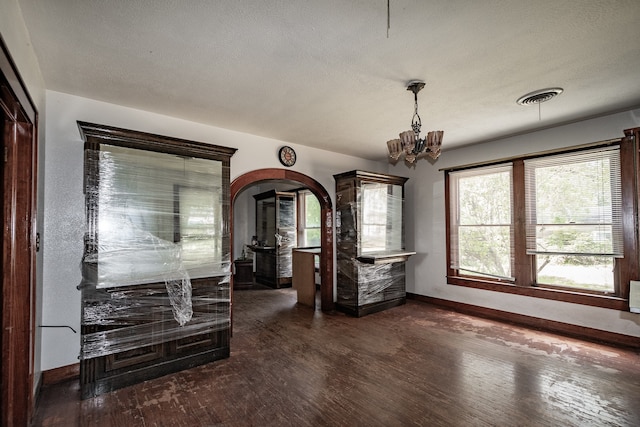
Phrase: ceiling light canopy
(410, 142)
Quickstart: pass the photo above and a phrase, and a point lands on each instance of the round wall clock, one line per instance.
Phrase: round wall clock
(287, 156)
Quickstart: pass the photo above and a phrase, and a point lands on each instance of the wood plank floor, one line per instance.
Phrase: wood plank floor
(414, 365)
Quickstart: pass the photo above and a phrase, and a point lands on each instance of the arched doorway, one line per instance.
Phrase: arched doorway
(326, 209)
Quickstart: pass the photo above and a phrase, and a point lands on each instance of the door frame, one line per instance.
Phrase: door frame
(326, 218)
(19, 195)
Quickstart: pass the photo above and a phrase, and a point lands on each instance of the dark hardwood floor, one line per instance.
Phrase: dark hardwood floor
(410, 365)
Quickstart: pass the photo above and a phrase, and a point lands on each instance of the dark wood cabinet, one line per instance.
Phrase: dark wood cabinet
(371, 254)
(155, 291)
(169, 350)
(243, 274)
(276, 229)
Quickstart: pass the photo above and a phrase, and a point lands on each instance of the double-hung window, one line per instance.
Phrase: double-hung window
(574, 218)
(548, 225)
(482, 222)
(309, 219)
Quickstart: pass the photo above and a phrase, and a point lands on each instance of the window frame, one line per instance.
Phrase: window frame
(302, 217)
(458, 224)
(625, 269)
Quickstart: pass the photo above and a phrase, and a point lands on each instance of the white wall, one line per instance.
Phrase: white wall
(426, 224)
(16, 37)
(64, 200)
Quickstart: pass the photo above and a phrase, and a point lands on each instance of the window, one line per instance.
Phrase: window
(309, 208)
(481, 225)
(549, 226)
(574, 219)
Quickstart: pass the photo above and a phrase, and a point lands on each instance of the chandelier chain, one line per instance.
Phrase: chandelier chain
(416, 122)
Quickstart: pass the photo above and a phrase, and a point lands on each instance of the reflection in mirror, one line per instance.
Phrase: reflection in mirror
(381, 217)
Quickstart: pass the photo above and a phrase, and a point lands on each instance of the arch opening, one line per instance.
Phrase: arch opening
(326, 213)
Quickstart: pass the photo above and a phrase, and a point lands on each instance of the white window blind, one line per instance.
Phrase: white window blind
(573, 204)
(481, 221)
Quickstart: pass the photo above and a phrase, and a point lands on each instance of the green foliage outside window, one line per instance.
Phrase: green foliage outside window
(484, 234)
(570, 212)
(312, 220)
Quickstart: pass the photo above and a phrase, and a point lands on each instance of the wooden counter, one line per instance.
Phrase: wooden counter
(304, 275)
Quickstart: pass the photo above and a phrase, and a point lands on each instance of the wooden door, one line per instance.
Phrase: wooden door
(19, 167)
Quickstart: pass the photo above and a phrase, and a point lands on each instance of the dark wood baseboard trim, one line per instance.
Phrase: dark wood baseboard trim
(36, 394)
(58, 375)
(575, 331)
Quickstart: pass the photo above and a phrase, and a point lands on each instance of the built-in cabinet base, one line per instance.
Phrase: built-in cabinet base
(363, 310)
(243, 277)
(131, 375)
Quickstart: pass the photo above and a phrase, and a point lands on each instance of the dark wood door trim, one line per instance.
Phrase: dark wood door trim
(19, 172)
(326, 231)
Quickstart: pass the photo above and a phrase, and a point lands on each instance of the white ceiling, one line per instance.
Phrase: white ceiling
(323, 73)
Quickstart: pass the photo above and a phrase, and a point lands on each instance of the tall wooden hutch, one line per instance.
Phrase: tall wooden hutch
(276, 230)
(155, 271)
(370, 246)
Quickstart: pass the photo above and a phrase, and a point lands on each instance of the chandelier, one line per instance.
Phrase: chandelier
(410, 142)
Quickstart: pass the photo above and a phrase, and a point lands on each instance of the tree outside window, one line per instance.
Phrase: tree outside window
(309, 219)
(574, 224)
(482, 222)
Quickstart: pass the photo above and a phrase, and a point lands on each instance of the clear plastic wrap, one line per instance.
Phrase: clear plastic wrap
(364, 283)
(370, 244)
(286, 238)
(155, 267)
(276, 233)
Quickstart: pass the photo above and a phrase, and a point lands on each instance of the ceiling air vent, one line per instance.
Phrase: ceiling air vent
(539, 96)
